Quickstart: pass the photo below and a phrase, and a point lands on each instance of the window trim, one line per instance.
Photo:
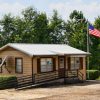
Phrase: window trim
(75, 68)
(16, 65)
(52, 65)
(1, 67)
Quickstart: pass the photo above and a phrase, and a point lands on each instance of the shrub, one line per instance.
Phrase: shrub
(98, 78)
(7, 82)
(93, 74)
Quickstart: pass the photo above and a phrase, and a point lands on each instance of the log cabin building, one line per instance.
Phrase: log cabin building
(30, 59)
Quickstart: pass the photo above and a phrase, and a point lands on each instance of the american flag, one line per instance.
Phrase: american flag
(93, 31)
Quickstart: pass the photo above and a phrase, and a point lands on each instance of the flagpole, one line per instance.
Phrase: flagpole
(88, 47)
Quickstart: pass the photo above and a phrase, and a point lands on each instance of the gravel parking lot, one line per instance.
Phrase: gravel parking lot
(89, 90)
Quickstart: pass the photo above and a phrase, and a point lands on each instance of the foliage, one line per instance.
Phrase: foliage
(95, 47)
(56, 27)
(35, 27)
(7, 82)
(93, 74)
(76, 30)
(98, 78)
(41, 32)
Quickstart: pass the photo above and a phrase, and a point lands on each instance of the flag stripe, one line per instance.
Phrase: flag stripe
(93, 31)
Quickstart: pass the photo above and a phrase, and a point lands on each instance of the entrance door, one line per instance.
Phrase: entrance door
(61, 64)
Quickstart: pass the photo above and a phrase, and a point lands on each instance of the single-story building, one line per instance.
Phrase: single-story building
(26, 59)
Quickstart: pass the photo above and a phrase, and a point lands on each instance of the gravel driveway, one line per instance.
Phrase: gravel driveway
(85, 91)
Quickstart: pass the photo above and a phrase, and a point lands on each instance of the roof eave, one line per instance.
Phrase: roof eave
(8, 45)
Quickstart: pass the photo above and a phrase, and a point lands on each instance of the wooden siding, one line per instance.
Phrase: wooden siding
(12, 54)
(66, 59)
(27, 62)
(84, 65)
(35, 63)
(84, 68)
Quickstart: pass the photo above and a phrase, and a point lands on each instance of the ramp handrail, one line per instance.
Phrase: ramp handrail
(71, 73)
(43, 77)
(80, 75)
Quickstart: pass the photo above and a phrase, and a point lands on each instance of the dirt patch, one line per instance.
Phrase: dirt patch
(84, 91)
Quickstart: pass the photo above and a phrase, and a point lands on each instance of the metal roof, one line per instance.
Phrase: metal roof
(45, 49)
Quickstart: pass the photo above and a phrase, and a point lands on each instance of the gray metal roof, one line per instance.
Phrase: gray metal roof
(45, 49)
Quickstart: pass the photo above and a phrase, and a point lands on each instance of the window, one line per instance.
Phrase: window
(61, 62)
(0, 64)
(75, 63)
(46, 64)
(19, 65)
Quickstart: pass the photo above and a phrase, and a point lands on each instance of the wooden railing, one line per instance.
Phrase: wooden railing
(74, 73)
(44, 77)
(80, 75)
(27, 80)
(71, 73)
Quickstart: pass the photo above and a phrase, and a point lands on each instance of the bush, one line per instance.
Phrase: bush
(7, 82)
(93, 74)
(98, 78)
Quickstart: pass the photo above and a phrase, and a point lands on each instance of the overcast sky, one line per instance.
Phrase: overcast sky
(90, 8)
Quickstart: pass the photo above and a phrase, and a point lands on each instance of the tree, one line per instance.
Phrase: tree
(27, 25)
(56, 27)
(41, 29)
(76, 30)
(7, 28)
(95, 47)
(35, 29)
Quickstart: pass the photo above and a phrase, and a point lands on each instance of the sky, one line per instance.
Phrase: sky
(90, 8)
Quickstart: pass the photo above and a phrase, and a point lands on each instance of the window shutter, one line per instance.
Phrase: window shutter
(69, 63)
(38, 65)
(81, 62)
(54, 64)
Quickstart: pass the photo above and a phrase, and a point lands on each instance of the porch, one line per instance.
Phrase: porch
(70, 77)
(26, 81)
(44, 64)
(65, 66)
(71, 69)
(68, 68)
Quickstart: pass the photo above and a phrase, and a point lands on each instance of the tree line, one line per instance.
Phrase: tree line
(33, 26)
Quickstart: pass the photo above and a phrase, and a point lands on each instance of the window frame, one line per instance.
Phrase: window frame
(46, 65)
(16, 71)
(74, 64)
(1, 67)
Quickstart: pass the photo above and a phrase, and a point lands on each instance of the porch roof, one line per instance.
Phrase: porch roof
(45, 49)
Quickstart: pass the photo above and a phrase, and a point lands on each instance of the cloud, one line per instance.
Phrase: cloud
(13, 8)
(90, 10)
(65, 7)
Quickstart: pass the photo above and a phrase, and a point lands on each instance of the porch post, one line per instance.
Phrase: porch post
(32, 71)
(64, 69)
